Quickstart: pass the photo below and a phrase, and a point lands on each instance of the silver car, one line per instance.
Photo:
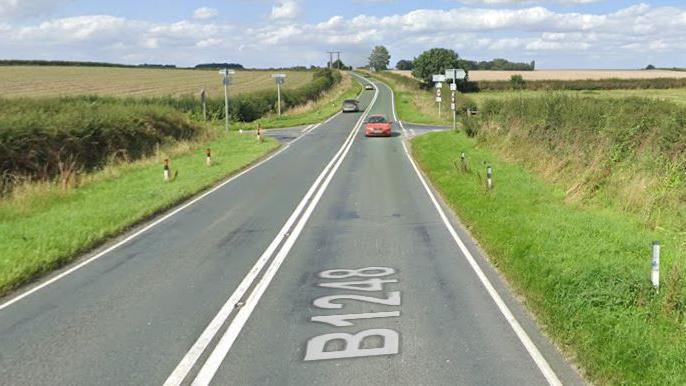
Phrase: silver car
(351, 106)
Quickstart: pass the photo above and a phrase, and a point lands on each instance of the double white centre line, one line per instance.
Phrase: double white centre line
(281, 246)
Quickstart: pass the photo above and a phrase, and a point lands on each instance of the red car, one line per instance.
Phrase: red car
(378, 126)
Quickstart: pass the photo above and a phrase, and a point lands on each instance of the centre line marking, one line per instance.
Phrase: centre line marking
(212, 364)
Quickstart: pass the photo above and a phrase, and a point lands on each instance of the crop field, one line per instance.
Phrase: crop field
(677, 95)
(477, 76)
(30, 81)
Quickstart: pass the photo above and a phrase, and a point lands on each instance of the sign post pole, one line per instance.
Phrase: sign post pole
(227, 80)
(280, 79)
(454, 74)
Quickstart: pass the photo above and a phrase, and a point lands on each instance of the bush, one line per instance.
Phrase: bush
(39, 138)
(517, 82)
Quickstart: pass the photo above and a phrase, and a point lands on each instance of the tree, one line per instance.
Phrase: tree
(339, 65)
(434, 61)
(650, 67)
(379, 58)
(517, 81)
(405, 65)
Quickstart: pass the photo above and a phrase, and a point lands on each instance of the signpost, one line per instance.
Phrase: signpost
(454, 74)
(438, 80)
(227, 80)
(280, 79)
(203, 99)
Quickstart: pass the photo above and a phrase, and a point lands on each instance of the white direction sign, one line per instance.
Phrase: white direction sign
(280, 78)
(453, 86)
(455, 73)
(439, 86)
(439, 78)
(226, 72)
(439, 99)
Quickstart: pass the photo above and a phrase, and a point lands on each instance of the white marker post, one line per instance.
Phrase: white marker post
(166, 170)
(280, 79)
(227, 80)
(655, 272)
(208, 160)
(489, 176)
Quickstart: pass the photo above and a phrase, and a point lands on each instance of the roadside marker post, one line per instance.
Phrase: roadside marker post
(655, 271)
(166, 170)
(208, 160)
(227, 80)
(203, 100)
(489, 176)
(280, 79)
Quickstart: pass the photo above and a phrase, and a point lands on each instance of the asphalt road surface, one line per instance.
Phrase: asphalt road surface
(329, 263)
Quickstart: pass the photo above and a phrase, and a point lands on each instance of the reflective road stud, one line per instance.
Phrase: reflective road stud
(655, 272)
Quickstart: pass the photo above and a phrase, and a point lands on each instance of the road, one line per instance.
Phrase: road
(329, 263)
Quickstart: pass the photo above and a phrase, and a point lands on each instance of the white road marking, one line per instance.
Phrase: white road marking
(149, 226)
(215, 359)
(531, 348)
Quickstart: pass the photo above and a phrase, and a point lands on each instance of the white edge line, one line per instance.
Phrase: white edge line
(148, 227)
(211, 366)
(531, 348)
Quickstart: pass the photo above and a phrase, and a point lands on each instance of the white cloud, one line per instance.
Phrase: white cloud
(285, 10)
(511, 2)
(205, 13)
(623, 37)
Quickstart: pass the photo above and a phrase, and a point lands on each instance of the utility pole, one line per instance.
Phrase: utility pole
(331, 58)
(227, 80)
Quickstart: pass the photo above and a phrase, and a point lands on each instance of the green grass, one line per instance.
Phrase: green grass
(583, 271)
(315, 112)
(47, 227)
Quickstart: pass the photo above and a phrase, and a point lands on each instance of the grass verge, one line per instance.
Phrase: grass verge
(584, 271)
(312, 112)
(35, 239)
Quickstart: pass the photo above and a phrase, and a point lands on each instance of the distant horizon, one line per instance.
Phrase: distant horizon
(592, 34)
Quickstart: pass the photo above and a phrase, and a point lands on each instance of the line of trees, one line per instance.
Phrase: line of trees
(68, 63)
(469, 65)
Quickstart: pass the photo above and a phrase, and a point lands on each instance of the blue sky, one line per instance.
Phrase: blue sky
(263, 33)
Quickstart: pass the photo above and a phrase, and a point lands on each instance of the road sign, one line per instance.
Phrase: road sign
(452, 106)
(226, 72)
(439, 99)
(280, 78)
(453, 73)
(453, 86)
(438, 92)
(439, 78)
(226, 81)
(439, 85)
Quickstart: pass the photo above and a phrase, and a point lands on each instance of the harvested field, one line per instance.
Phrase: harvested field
(568, 74)
(34, 81)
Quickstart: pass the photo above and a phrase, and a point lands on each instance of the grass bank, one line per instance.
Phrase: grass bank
(44, 226)
(584, 271)
(676, 95)
(314, 111)
(583, 185)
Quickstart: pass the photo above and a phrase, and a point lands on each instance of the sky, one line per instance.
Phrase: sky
(571, 34)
